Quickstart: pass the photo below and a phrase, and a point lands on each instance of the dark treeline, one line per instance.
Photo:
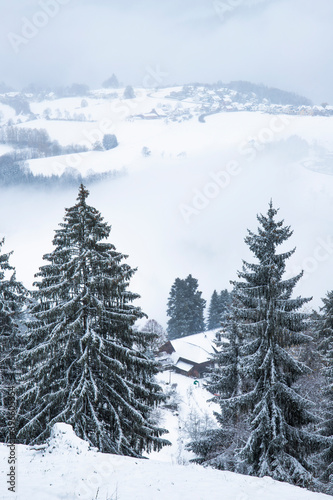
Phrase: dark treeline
(31, 143)
(17, 173)
(186, 308)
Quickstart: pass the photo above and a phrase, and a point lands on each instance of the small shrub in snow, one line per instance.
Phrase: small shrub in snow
(110, 141)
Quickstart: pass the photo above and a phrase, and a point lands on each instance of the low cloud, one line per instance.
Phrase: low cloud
(285, 43)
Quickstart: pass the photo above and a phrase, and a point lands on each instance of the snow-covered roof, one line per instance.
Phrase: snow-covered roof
(182, 365)
(196, 348)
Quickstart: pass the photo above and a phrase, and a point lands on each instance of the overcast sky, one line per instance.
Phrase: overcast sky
(281, 43)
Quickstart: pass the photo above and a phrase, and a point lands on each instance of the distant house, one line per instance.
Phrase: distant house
(190, 355)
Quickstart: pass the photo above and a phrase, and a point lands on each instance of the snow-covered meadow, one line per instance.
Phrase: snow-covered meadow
(186, 207)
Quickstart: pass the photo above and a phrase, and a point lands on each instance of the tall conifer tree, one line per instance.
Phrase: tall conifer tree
(214, 312)
(12, 299)
(85, 365)
(269, 322)
(325, 346)
(218, 309)
(225, 303)
(185, 308)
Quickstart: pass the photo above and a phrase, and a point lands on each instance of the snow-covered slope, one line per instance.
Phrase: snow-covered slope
(186, 207)
(239, 136)
(186, 413)
(66, 470)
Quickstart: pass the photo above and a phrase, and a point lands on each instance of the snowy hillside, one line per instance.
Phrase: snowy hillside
(186, 413)
(194, 170)
(172, 123)
(170, 129)
(65, 469)
(191, 197)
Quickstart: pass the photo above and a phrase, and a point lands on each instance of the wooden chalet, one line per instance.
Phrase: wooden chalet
(190, 355)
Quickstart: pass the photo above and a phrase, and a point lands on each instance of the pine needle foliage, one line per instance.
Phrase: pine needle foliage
(84, 363)
(255, 374)
(324, 324)
(12, 299)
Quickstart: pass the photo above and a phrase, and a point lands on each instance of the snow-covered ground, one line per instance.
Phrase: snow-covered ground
(65, 469)
(187, 413)
(186, 207)
(183, 209)
(4, 149)
(243, 133)
(6, 113)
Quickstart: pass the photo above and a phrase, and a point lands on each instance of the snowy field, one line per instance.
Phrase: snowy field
(66, 470)
(186, 207)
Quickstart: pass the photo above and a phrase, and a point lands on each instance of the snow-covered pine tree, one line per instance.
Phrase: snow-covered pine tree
(194, 306)
(177, 323)
(225, 303)
(270, 322)
(185, 308)
(12, 298)
(84, 363)
(214, 316)
(217, 447)
(325, 346)
(324, 320)
(226, 380)
(218, 308)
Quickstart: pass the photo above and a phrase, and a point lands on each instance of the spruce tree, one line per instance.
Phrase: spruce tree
(218, 309)
(12, 299)
(218, 447)
(185, 308)
(225, 303)
(325, 346)
(85, 364)
(269, 322)
(214, 316)
(129, 92)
